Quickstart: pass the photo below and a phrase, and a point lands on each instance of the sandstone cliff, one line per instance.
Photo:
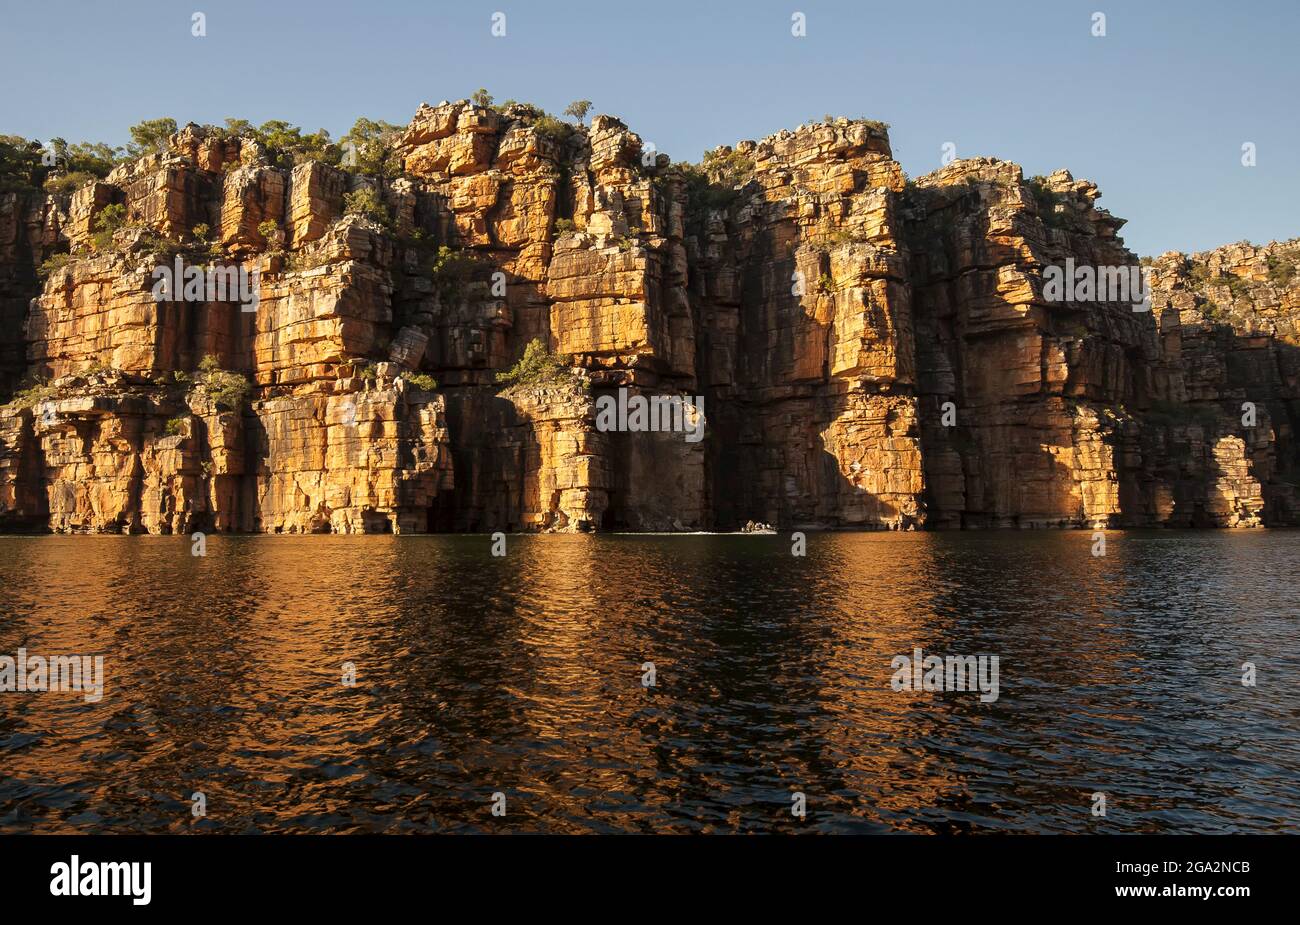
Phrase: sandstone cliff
(871, 352)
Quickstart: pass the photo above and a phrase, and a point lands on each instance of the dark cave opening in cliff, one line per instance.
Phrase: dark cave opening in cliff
(440, 516)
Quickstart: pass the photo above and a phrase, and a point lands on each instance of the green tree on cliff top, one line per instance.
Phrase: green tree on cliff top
(150, 136)
(369, 148)
(578, 109)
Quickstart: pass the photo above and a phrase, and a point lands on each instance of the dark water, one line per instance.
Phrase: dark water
(523, 675)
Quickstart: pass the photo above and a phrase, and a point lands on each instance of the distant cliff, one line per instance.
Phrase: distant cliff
(867, 351)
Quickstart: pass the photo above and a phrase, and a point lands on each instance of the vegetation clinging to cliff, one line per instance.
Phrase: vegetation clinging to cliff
(369, 148)
(1046, 199)
(714, 182)
(284, 144)
(451, 270)
(728, 167)
(578, 109)
(537, 367)
(59, 167)
(32, 394)
(53, 263)
(150, 136)
(223, 386)
(365, 201)
(541, 121)
(1280, 273)
(110, 219)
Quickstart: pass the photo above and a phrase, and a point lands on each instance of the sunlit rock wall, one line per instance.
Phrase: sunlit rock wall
(867, 352)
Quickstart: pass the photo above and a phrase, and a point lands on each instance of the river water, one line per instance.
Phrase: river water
(525, 676)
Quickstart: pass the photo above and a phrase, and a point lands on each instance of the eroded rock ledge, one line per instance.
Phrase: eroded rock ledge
(872, 352)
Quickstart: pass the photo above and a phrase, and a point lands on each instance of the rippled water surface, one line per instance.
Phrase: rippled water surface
(523, 675)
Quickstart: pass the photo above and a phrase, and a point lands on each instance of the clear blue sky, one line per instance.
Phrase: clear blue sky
(1155, 112)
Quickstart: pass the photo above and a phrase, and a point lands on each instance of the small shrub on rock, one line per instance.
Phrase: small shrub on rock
(223, 386)
(537, 367)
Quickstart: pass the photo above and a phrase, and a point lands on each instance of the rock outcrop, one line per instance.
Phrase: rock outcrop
(866, 351)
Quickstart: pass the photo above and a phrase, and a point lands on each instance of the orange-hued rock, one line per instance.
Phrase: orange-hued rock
(100, 311)
(807, 321)
(1077, 413)
(865, 351)
(251, 197)
(565, 462)
(1023, 379)
(353, 459)
(97, 455)
(315, 200)
(87, 202)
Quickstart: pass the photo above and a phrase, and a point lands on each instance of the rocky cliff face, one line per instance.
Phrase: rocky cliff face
(1085, 411)
(867, 352)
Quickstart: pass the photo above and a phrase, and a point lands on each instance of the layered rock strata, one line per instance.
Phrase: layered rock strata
(867, 351)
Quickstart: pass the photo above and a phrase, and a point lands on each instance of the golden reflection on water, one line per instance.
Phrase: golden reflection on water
(523, 675)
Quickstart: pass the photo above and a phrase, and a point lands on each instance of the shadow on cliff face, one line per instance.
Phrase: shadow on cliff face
(1203, 463)
(30, 510)
(769, 419)
(257, 449)
(19, 284)
(490, 462)
(1051, 395)
(1148, 461)
(1282, 489)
